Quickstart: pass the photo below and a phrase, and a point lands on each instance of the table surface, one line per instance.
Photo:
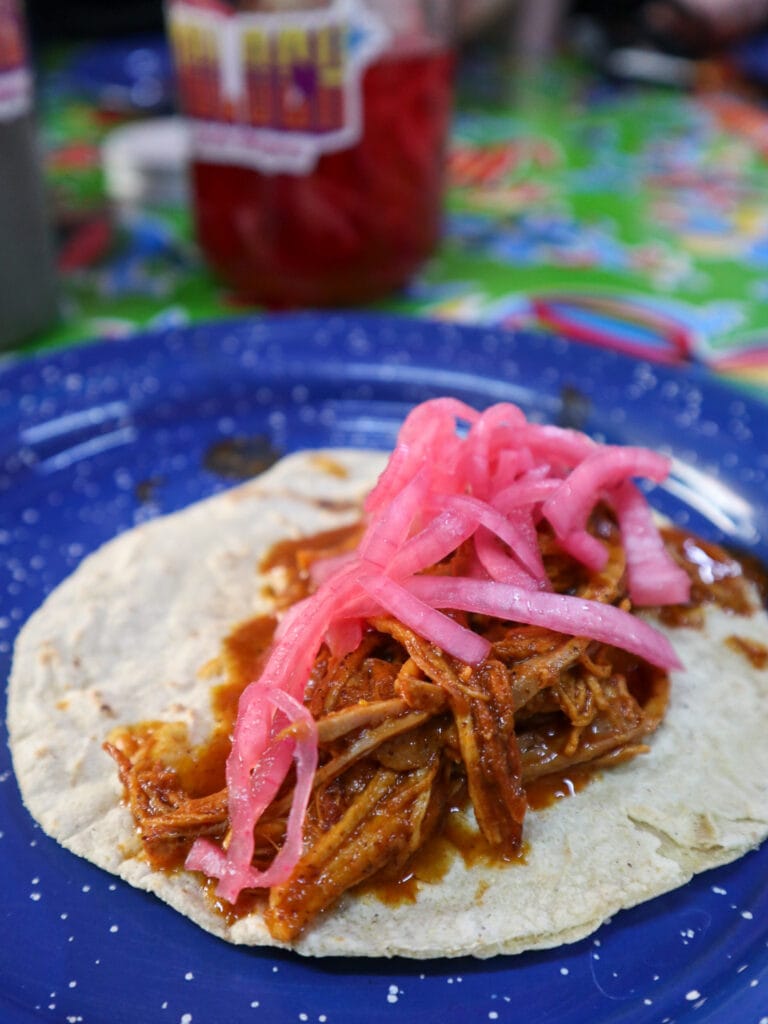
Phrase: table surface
(629, 218)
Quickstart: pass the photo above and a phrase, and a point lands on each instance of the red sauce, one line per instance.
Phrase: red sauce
(548, 789)
(459, 838)
(296, 556)
(357, 226)
(718, 577)
(755, 653)
(431, 863)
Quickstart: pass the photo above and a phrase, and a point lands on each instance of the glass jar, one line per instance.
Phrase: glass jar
(318, 137)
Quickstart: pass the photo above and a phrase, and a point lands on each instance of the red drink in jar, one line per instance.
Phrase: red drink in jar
(364, 215)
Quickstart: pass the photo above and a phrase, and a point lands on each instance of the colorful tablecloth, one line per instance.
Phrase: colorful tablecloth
(630, 218)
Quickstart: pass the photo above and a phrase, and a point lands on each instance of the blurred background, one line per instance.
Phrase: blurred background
(605, 178)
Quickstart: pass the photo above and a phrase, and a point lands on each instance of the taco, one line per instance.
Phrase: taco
(335, 708)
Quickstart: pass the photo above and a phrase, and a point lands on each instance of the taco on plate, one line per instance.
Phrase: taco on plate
(338, 708)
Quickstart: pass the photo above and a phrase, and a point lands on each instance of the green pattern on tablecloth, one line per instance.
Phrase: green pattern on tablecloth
(636, 219)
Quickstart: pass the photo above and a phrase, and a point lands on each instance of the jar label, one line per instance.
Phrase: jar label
(276, 90)
(15, 76)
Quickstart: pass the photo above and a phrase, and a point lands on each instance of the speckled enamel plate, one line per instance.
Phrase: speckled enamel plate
(98, 438)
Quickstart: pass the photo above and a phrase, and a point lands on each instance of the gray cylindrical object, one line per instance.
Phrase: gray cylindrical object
(27, 275)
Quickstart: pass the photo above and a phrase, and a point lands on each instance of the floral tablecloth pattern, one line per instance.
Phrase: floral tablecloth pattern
(630, 218)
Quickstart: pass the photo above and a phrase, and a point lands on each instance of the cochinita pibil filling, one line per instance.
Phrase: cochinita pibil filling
(470, 641)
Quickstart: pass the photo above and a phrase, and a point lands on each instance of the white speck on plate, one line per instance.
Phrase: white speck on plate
(692, 995)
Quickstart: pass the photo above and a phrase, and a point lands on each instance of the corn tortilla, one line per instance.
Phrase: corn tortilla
(124, 640)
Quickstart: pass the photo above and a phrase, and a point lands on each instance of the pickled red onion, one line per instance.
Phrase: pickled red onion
(525, 491)
(425, 620)
(430, 427)
(509, 529)
(558, 446)
(498, 564)
(485, 489)
(449, 529)
(491, 432)
(568, 508)
(250, 796)
(344, 636)
(654, 577)
(562, 613)
(387, 530)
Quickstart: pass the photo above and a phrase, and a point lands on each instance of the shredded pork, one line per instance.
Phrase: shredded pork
(405, 729)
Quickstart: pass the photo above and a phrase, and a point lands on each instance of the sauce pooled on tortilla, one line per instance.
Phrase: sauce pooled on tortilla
(185, 774)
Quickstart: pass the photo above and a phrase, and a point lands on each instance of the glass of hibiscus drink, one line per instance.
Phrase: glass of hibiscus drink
(318, 138)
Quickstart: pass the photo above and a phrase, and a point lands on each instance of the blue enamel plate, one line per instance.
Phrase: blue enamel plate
(97, 438)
